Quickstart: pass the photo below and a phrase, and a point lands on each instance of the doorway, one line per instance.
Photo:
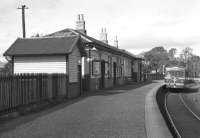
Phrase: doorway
(102, 73)
(114, 73)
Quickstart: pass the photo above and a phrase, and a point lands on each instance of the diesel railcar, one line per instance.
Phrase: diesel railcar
(175, 77)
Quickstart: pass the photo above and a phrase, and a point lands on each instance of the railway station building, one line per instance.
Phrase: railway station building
(90, 64)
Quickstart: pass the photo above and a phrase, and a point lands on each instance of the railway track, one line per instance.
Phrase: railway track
(185, 122)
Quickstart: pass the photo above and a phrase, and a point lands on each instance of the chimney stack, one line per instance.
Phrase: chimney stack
(103, 36)
(78, 17)
(80, 23)
(82, 17)
(116, 42)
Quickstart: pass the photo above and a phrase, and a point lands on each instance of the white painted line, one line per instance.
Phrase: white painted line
(190, 110)
(170, 118)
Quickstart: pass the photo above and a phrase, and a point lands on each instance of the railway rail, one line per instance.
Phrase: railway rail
(183, 120)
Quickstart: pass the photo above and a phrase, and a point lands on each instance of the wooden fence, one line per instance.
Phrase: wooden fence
(153, 76)
(24, 89)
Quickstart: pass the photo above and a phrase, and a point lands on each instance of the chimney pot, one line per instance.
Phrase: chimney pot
(103, 35)
(78, 17)
(82, 17)
(80, 23)
(116, 42)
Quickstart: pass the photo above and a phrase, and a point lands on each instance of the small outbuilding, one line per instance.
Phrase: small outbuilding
(49, 55)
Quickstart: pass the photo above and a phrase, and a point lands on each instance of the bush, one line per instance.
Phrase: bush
(189, 81)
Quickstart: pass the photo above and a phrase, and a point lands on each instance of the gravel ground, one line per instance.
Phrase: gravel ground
(117, 113)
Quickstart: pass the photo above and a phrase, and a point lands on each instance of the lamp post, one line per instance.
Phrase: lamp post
(80, 74)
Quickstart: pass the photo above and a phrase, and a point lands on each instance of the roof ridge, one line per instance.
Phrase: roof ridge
(48, 37)
(99, 42)
(106, 44)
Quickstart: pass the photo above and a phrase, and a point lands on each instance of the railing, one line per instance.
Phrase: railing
(24, 89)
(154, 76)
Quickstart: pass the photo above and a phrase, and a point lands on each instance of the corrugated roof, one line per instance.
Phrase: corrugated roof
(42, 46)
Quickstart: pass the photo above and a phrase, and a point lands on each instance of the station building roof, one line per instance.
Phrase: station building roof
(61, 42)
(43, 46)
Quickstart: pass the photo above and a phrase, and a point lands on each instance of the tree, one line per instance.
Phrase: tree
(157, 57)
(38, 35)
(172, 53)
(193, 66)
(186, 54)
(7, 69)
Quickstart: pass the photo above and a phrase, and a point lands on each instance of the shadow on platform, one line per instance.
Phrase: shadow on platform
(10, 123)
(183, 90)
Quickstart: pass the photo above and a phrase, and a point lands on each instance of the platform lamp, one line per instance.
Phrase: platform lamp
(79, 63)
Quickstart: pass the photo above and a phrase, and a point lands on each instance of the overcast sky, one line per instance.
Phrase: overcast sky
(139, 24)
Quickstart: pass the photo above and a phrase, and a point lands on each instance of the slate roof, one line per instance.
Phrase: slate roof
(43, 46)
(99, 44)
(60, 42)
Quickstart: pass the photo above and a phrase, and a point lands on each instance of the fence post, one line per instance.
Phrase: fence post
(63, 82)
(49, 87)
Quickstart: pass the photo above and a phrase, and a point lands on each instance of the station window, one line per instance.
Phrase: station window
(95, 68)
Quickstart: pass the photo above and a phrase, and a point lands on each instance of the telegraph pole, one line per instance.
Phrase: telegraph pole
(23, 7)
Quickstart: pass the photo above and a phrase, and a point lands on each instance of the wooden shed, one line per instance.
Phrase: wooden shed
(60, 55)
